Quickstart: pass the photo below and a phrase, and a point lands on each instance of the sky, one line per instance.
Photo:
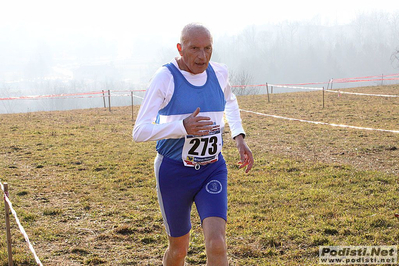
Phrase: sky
(65, 31)
(26, 25)
(131, 19)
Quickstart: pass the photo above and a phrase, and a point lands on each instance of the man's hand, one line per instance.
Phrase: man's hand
(198, 125)
(245, 153)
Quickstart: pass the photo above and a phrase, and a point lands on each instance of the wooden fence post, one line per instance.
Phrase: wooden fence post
(267, 90)
(105, 106)
(323, 97)
(131, 94)
(8, 230)
(109, 100)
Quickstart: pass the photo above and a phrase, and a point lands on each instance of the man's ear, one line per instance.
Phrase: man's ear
(179, 48)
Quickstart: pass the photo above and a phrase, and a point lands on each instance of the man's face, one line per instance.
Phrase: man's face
(196, 51)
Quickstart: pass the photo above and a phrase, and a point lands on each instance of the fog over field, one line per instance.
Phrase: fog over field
(67, 47)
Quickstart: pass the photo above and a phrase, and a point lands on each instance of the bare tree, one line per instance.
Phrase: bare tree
(242, 80)
(395, 58)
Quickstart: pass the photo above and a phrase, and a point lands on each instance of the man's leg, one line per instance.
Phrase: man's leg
(215, 241)
(175, 196)
(177, 251)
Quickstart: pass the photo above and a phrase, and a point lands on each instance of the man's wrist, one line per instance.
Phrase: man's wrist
(241, 134)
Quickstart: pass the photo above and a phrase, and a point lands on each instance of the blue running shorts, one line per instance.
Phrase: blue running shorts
(179, 186)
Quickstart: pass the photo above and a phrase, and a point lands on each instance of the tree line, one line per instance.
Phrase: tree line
(294, 52)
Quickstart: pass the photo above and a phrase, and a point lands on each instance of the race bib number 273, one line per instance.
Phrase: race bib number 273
(202, 149)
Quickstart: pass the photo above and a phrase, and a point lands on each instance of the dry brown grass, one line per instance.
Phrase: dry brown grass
(371, 150)
(85, 192)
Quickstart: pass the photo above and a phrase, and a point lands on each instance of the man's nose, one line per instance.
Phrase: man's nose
(201, 54)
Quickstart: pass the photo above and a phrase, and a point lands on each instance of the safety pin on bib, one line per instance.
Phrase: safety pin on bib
(197, 166)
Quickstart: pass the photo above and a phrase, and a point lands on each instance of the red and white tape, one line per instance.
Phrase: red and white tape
(92, 94)
(366, 79)
(63, 95)
(335, 91)
(295, 87)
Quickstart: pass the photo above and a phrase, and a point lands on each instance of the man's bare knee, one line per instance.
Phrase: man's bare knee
(178, 253)
(216, 246)
(177, 250)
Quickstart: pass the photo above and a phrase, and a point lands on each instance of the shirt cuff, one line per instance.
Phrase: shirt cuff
(242, 134)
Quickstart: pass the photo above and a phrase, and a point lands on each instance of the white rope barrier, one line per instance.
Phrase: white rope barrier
(321, 123)
(125, 95)
(294, 87)
(335, 91)
(363, 94)
(21, 229)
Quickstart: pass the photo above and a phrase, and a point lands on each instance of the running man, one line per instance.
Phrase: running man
(183, 111)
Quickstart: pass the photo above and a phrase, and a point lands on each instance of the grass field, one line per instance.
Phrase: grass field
(85, 192)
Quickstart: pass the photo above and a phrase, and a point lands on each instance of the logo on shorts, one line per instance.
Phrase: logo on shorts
(214, 187)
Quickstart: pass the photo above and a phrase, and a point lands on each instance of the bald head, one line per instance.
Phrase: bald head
(195, 48)
(193, 29)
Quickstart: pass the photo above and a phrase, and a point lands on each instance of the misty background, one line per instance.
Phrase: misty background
(281, 52)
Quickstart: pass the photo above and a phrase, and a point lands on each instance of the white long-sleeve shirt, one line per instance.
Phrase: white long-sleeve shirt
(160, 92)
